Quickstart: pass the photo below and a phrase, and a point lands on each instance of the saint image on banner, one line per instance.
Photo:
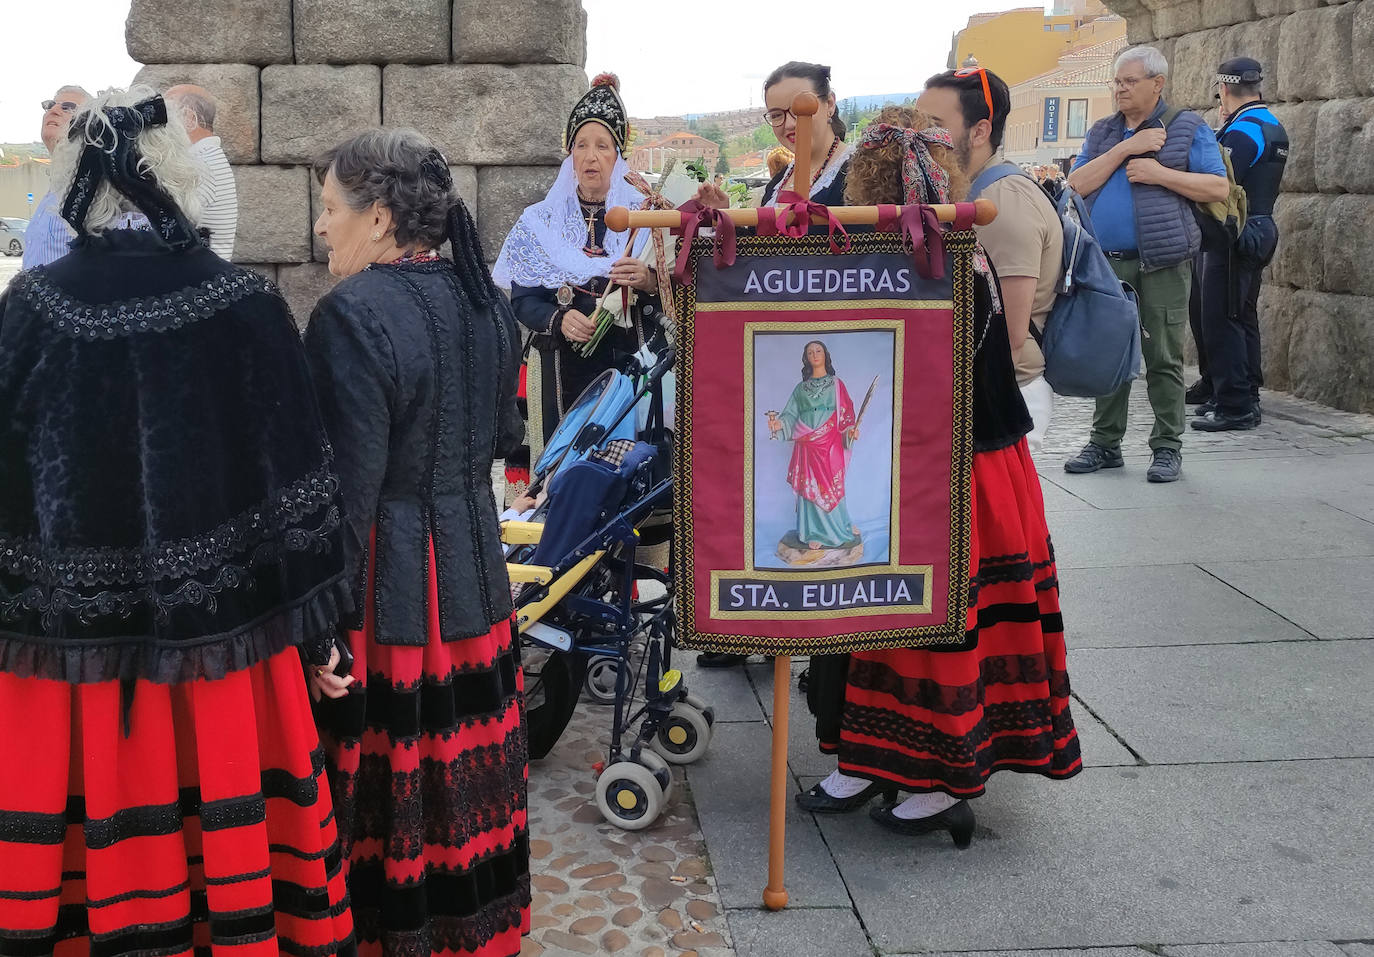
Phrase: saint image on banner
(821, 422)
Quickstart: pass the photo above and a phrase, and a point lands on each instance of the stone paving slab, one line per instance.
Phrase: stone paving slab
(1127, 856)
(1326, 596)
(730, 786)
(1100, 747)
(1139, 606)
(798, 932)
(1269, 948)
(1267, 702)
(1216, 480)
(1176, 534)
(1056, 952)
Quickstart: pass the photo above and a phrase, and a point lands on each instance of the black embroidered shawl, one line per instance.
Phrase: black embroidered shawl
(168, 508)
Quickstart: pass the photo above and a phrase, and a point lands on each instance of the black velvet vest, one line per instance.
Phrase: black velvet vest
(168, 508)
(415, 382)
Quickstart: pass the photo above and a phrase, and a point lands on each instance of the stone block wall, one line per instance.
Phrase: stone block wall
(1317, 304)
(491, 84)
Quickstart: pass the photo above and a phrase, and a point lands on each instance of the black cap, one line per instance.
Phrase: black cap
(1241, 69)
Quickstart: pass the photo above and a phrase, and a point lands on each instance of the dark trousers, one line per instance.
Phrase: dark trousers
(1195, 322)
(1230, 330)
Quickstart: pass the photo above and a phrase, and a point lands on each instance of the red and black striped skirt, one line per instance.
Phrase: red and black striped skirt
(945, 720)
(208, 827)
(428, 762)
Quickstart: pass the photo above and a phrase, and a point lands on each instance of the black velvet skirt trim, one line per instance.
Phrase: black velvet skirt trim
(86, 660)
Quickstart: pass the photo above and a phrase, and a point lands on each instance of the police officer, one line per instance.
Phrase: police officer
(1258, 148)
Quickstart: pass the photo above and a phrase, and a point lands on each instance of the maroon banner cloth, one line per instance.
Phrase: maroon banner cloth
(824, 444)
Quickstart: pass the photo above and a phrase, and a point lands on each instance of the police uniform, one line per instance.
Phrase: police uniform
(1258, 148)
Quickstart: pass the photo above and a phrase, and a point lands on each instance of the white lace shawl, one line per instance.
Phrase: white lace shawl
(544, 247)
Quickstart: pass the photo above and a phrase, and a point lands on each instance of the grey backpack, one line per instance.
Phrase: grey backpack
(1091, 340)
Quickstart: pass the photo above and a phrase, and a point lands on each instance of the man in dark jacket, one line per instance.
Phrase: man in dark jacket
(1258, 147)
(1140, 176)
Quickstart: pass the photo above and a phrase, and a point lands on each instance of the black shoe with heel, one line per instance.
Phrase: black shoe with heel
(819, 801)
(958, 820)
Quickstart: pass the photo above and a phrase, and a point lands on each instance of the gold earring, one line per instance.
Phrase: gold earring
(376, 237)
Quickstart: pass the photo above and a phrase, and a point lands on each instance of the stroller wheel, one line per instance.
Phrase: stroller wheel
(707, 712)
(684, 736)
(629, 795)
(662, 772)
(600, 680)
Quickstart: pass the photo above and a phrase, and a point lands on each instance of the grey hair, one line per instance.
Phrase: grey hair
(1150, 58)
(202, 107)
(166, 155)
(73, 89)
(401, 170)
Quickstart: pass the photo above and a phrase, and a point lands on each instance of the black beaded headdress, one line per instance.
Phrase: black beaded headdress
(112, 155)
(601, 104)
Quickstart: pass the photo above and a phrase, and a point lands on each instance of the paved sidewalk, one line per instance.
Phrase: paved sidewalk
(1221, 654)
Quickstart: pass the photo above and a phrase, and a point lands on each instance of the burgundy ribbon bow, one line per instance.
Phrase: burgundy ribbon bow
(773, 220)
(694, 217)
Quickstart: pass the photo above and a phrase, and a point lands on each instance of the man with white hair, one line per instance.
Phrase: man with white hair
(1141, 170)
(218, 194)
(48, 234)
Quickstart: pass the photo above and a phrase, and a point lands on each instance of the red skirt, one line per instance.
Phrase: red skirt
(428, 762)
(208, 826)
(929, 720)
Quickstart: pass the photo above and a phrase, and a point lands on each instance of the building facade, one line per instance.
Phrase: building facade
(682, 146)
(1052, 113)
(1026, 42)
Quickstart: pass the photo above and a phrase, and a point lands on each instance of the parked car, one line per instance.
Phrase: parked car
(12, 236)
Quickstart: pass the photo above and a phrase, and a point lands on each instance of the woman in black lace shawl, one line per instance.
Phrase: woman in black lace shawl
(415, 359)
(169, 534)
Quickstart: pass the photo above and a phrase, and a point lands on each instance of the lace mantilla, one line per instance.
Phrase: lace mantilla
(147, 314)
(178, 559)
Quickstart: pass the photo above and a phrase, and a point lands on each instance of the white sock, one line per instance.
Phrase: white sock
(841, 785)
(923, 805)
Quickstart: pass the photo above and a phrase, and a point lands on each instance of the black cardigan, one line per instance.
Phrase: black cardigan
(416, 384)
(168, 508)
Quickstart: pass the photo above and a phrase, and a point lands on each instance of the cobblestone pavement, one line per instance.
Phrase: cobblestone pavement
(601, 890)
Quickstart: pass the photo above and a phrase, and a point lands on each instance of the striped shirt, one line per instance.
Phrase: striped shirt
(219, 203)
(48, 236)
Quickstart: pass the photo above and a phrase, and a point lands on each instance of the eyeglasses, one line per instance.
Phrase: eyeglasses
(1128, 83)
(67, 105)
(987, 90)
(776, 118)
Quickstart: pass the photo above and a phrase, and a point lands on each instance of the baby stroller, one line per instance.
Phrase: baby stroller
(576, 565)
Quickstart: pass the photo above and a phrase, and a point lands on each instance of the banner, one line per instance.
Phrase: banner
(823, 446)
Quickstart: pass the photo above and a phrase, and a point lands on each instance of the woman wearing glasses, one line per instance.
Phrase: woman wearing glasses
(829, 152)
(829, 161)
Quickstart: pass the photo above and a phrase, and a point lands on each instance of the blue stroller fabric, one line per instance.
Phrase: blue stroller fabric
(616, 397)
(585, 496)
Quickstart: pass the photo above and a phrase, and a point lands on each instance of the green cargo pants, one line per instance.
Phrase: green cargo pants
(1164, 319)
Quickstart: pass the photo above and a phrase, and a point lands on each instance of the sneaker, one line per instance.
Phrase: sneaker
(1198, 393)
(1166, 465)
(1218, 421)
(1209, 406)
(1092, 458)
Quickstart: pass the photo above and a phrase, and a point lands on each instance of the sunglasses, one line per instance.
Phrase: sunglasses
(987, 90)
(67, 105)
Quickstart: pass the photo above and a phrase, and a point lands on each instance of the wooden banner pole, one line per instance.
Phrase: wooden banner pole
(619, 219)
(775, 895)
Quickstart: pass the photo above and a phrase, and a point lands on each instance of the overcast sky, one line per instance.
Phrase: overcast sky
(707, 54)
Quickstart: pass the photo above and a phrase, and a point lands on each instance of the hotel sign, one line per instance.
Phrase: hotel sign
(1050, 133)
